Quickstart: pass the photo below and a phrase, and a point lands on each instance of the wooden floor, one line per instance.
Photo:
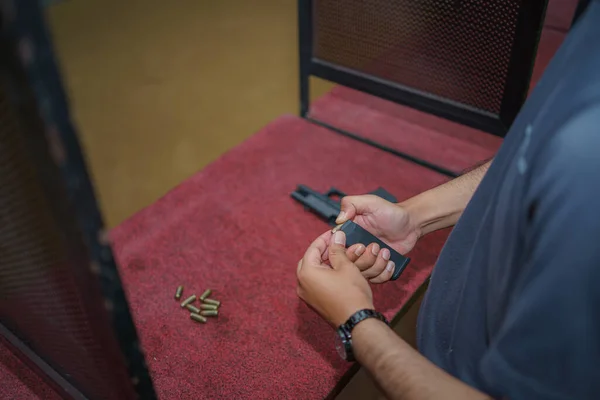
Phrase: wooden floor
(160, 89)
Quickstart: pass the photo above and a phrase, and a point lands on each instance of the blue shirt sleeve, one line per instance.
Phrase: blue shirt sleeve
(549, 342)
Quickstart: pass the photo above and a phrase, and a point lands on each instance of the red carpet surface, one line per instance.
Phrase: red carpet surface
(559, 14)
(405, 129)
(234, 228)
(18, 382)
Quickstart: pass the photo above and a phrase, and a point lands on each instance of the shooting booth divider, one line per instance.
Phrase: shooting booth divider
(63, 310)
(466, 61)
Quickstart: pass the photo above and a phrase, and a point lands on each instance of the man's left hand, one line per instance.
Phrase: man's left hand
(337, 291)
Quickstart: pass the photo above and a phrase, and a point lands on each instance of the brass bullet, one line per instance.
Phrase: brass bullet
(179, 292)
(211, 301)
(198, 318)
(204, 295)
(208, 306)
(209, 313)
(189, 300)
(193, 309)
(336, 228)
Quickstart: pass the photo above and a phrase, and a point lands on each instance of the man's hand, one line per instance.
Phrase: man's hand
(337, 291)
(388, 221)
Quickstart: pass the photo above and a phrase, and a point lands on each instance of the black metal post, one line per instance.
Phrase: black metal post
(520, 70)
(305, 52)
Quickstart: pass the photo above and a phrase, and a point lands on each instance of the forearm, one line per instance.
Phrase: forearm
(399, 370)
(442, 206)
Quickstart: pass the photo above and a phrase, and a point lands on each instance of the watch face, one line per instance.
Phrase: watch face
(340, 345)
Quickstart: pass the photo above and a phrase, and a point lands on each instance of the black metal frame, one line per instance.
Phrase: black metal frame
(71, 194)
(529, 28)
(35, 362)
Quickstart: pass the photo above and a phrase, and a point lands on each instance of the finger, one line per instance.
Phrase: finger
(386, 275)
(352, 206)
(379, 265)
(337, 250)
(352, 252)
(355, 251)
(313, 254)
(368, 258)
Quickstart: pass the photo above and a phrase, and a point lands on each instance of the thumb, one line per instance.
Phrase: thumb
(337, 250)
(352, 206)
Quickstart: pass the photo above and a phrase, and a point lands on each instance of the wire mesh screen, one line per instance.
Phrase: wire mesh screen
(459, 50)
(43, 269)
(62, 305)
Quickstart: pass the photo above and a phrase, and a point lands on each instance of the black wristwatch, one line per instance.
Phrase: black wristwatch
(344, 332)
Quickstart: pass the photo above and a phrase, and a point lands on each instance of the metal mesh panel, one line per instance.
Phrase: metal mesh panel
(43, 270)
(459, 50)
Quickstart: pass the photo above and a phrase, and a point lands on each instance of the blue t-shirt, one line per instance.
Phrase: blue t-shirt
(513, 307)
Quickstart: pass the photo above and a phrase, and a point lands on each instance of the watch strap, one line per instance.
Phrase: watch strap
(346, 328)
(361, 315)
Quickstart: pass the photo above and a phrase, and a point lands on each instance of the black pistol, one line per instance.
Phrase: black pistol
(328, 205)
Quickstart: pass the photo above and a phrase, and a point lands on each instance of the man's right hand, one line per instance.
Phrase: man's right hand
(400, 226)
(388, 221)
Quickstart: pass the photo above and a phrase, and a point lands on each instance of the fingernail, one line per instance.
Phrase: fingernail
(359, 250)
(342, 216)
(375, 249)
(385, 253)
(338, 237)
(390, 266)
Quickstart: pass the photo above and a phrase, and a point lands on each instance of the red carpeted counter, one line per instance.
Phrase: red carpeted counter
(234, 228)
(18, 382)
